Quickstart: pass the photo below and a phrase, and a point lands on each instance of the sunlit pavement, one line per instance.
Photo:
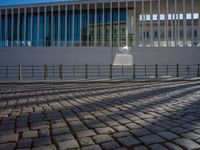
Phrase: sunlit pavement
(94, 116)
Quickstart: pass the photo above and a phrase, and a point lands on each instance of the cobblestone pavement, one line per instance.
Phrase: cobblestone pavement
(95, 116)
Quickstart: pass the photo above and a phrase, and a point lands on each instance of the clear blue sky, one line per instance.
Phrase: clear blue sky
(15, 2)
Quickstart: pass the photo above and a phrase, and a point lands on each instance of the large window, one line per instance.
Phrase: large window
(55, 26)
(107, 25)
(62, 26)
(91, 24)
(9, 24)
(21, 28)
(48, 27)
(115, 25)
(41, 32)
(99, 24)
(122, 26)
(69, 27)
(84, 25)
(35, 22)
(77, 26)
(28, 28)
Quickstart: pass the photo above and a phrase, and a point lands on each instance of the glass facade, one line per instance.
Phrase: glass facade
(169, 23)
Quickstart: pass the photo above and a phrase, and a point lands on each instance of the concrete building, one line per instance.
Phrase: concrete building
(122, 32)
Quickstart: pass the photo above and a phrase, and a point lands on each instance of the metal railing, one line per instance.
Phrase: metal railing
(90, 72)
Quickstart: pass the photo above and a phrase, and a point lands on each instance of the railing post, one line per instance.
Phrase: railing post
(177, 70)
(86, 71)
(156, 71)
(134, 71)
(20, 72)
(198, 70)
(60, 72)
(45, 72)
(32, 71)
(110, 71)
(145, 70)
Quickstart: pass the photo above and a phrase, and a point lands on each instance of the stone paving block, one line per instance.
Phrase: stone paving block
(85, 141)
(105, 130)
(8, 138)
(24, 143)
(30, 134)
(102, 138)
(92, 147)
(110, 145)
(85, 133)
(168, 135)
(128, 141)
(63, 137)
(121, 134)
(8, 146)
(44, 132)
(141, 147)
(151, 139)
(158, 147)
(63, 130)
(41, 141)
(172, 146)
(133, 125)
(186, 143)
(48, 147)
(120, 128)
(69, 144)
(140, 132)
(191, 135)
(178, 130)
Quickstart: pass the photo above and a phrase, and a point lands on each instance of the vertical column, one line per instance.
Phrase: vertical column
(110, 24)
(73, 7)
(12, 25)
(184, 24)
(52, 39)
(95, 25)
(6, 27)
(118, 41)
(175, 22)
(142, 29)
(45, 24)
(172, 33)
(0, 30)
(192, 1)
(178, 29)
(199, 25)
(88, 22)
(134, 23)
(127, 21)
(38, 25)
(167, 23)
(66, 25)
(24, 26)
(151, 25)
(103, 38)
(31, 26)
(18, 27)
(80, 24)
(59, 42)
(159, 23)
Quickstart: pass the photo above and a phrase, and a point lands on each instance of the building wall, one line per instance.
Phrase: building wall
(97, 56)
